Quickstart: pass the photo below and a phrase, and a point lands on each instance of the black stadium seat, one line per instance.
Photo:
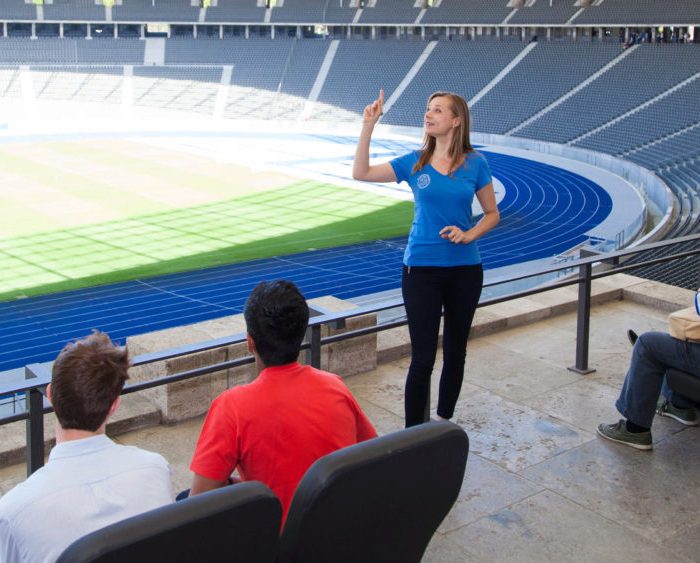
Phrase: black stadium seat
(379, 500)
(239, 523)
(684, 384)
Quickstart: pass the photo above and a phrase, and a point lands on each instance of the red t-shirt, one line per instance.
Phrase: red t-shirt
(274, 428)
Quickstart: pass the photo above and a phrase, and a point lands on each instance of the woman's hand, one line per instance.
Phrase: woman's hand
(375, 110)
(456, 235)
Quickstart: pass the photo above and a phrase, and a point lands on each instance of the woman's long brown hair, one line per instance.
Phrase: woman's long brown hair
(460, 145)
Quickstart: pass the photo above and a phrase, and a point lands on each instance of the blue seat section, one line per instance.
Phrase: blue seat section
(660, 119)
(545, 212)
(17, 10)
(547, 12)
(22, 50)
(278, 88)
(464, 67)
(10, 83)
(390, 11)
(354, 58)
(198, 51)
(111, 51)
(622, 88)
(89, 84)
(302, 67)
(298, 11)
(670, 151)
(81, 10)
(191, 89)
(497, 113)
(645, 12)
(64, 51)
(235, 11)
(183, 74)
(471, 12)
(158, 11)
(334, 12)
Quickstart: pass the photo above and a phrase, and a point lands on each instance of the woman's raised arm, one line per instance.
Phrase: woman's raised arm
(361, 169)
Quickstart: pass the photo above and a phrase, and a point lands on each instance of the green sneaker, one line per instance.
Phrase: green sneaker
(618, 432)
(685, 416)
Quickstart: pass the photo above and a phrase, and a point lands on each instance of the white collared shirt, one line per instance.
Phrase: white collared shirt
(86, 485)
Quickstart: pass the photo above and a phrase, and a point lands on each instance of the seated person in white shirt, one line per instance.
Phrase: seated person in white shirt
(89, 481)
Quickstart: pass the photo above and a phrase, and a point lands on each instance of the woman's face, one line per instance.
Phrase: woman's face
(439, 119)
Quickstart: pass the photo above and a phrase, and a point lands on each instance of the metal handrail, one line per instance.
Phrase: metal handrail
(38, 375)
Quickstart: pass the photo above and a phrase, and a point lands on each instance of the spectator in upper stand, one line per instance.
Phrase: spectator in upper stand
(274, 428)
(89, 481)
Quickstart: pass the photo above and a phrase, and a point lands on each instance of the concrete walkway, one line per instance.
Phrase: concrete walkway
(540, 485)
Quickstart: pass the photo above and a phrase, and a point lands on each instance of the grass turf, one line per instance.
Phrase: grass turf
(302, 216)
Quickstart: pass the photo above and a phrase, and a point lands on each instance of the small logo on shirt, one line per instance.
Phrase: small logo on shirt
(423, 181)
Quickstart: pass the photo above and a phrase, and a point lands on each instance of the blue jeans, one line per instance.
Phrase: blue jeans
(652, 355)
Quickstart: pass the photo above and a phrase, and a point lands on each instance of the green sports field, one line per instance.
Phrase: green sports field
(82, 213)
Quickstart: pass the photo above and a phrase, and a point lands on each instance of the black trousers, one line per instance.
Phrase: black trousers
(427, 292)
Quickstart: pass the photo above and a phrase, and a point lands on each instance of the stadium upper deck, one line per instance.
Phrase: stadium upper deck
(361, 12)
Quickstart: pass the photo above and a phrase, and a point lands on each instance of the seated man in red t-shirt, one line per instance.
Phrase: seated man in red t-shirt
(274, 428)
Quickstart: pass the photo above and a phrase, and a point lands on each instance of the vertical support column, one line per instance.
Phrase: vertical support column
(316, 346)
(60, 30)
(221, 32)
(35, 431)
(313, 355)
(33, 30)
(583, 320)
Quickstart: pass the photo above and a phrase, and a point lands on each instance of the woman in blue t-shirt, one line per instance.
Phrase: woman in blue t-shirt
(442, 268)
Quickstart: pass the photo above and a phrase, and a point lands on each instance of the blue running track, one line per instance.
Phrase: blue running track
(545, 212)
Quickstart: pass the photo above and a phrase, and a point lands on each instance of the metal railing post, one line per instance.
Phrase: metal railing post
(315, 350)
(35, 431)
(583, 320)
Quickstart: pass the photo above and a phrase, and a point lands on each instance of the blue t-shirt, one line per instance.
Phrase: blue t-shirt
(441, 200)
